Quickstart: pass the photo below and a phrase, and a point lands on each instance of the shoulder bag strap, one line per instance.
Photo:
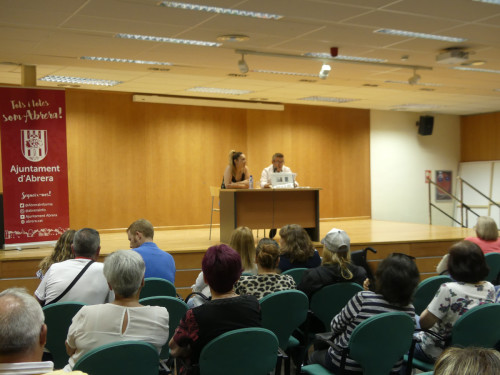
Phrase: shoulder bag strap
(72, 283)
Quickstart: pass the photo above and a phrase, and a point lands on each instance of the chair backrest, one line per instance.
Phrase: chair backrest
(296, 273)
(245, 351)
(283, 312)
(124, 358)
(176, 310)
(157, 287)
(58, 317)
(493, 261)
(426, 290)
(331, 299)
(214, 191)
(480, 326)
(365, 346)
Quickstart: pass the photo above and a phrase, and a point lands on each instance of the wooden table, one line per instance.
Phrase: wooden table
(268, 208)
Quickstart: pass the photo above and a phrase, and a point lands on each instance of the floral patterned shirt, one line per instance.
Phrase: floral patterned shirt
(451, 301)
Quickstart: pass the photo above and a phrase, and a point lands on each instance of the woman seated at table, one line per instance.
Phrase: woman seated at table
(468, 268)
(122, 320)
(297, 250)
(336, 266)
(236, 175)
(266, 281)
(396, 278)
(226, 311)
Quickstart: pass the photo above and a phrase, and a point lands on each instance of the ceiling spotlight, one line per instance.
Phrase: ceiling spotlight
(325, 70)
(413, 80)
(242, 64)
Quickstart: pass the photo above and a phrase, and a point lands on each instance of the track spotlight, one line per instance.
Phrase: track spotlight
(325, 70)
(243, 65)
(413, 80)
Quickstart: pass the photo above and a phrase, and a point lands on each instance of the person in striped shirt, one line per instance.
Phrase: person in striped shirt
(396, 278)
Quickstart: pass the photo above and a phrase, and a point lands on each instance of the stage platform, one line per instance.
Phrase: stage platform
(427, 243)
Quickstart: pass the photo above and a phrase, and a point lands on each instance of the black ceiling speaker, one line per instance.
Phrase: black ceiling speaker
(425, 125)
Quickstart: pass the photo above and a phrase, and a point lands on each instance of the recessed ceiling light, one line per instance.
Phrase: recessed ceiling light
(233, 38)
(344, 58)
(112, 59)
(475, 69)
(412, 34)
(414, 107)
(283, 73)
(216, 90)
(80, 80)
(328, 99)
(497, 2)
(219, 10)
(151, 38)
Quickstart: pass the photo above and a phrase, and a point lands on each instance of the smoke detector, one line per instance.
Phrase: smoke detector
(452, 56)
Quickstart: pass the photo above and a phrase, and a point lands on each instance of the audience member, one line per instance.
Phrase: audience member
(297, 250)
(62, 251)
(396, 278)
(236, 175)
(23, 334)
(468, 268)
(473, 361)
(91, 287)
(159, 263)
(125, 318)
(336, 265)
(266, 281)
(226, 311)
(243, 242)
(487, 239)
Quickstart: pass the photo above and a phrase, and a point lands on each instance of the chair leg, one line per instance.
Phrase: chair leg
(211, 217)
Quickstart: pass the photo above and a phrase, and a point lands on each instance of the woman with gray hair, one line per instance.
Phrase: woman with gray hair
(122, 320)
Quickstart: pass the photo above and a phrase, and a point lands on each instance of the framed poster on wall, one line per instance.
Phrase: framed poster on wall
(443, 182)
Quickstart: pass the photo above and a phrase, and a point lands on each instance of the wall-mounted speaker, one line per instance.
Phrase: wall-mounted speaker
(425, 125)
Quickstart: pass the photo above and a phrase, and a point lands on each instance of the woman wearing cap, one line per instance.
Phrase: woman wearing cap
(336, 266)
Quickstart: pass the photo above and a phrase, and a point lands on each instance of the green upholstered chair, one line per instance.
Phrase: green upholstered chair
(155, 287)
(124, 358)
(296, 273)
(479, 327)
(396, 329)
(245, 351)
(331, 299)
(493, 261)
(58, 317)
(426, 290)
(176, 310)
(282, 313)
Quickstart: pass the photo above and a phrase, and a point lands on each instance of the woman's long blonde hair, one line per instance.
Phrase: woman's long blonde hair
(62, 251)
(343, 259)
(243, 242)
(233, 156)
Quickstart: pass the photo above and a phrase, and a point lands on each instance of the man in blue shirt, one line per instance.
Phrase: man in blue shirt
(159, 263)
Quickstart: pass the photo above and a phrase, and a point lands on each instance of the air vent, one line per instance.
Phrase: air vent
(308, 80)
(236, 75)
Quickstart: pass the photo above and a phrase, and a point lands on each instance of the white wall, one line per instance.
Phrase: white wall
(399, 156)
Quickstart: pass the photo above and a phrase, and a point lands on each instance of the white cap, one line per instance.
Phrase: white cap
(336, 241)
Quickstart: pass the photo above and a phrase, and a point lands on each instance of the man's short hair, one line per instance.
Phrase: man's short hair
(278, 155)
(124, 271)
(21, 320)
(86, 242)
(142, 226)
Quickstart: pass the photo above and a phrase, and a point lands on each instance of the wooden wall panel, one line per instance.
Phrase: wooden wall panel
(326, 147)
(480, 137)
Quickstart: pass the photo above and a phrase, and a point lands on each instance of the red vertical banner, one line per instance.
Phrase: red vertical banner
(34, 165)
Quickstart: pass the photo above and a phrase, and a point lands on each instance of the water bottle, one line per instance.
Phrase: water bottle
(250, 182)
